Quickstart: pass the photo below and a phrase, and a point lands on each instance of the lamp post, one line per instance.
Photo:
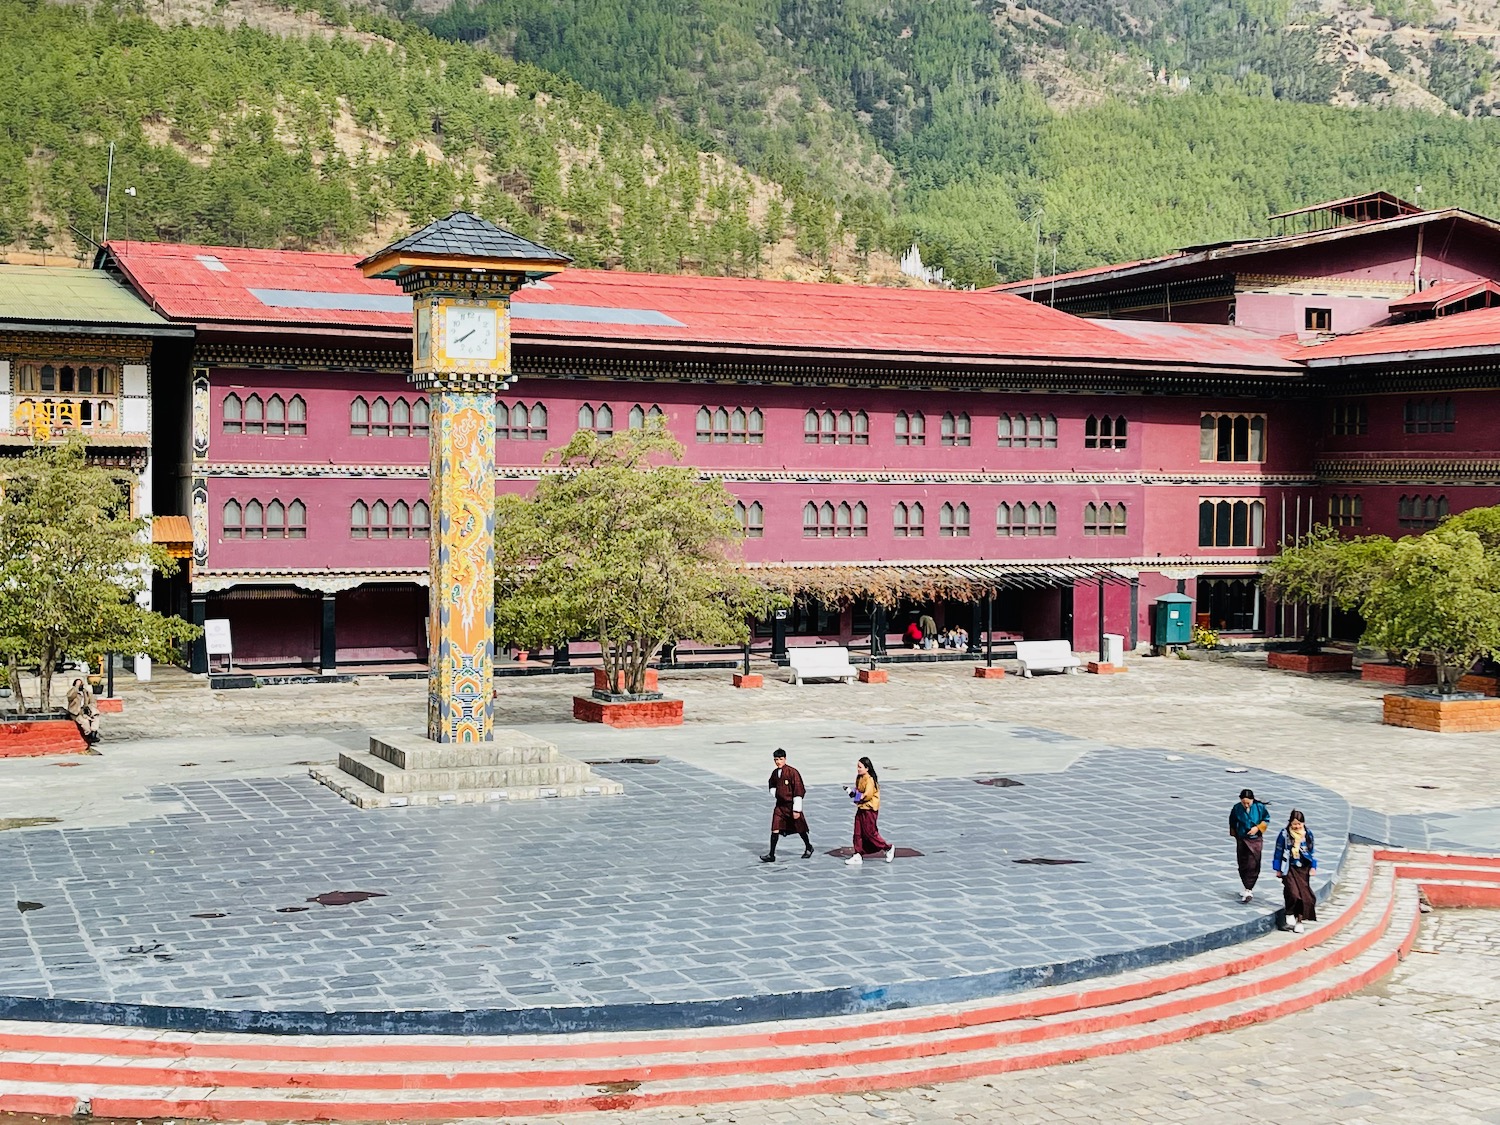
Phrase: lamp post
(461, 272)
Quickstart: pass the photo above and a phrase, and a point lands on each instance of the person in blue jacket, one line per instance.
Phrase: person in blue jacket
(1248, 821)
(1294, 864)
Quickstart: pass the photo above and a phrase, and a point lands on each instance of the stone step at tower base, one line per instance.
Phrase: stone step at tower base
(404, 768)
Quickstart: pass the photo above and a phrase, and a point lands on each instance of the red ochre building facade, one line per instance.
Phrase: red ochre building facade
(1163, 428)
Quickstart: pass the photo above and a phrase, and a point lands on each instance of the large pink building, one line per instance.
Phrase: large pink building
(942, 443)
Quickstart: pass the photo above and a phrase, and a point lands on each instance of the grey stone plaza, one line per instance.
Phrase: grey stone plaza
(196, 873)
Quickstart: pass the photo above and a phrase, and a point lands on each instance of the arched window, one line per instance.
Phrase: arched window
(48, 379)
(585, 417)
(845, 435)
(234, 414)
(954, 429)
(296, 416)
(537, 423)
(721, 426)
(809, 520)
(359, 417)
(861, 428)
(400, 520)
(911, 428)
(1091, 519)
(705, 424)
(953, 520)
(65, 383)
(945, 520)
(756, 434)
(826, 520)
(276, 415)
(1104, 432)
(604, 421)
(737, 423)
(255, 415)
(233, 520)
(637, 418)
(380, 418)
(751, 517)
(1225, 523)
(1034, 431)
(255, 520)
(275, 520)
(810, 428)
(105, 415)
(296, 520)
(1033, 518)
(380, 520)
(85, 380)
(861, 521)
(400, 418)
(421, 520)
(421, 417)
(844, 521)
(1049, 519)
(359, 520)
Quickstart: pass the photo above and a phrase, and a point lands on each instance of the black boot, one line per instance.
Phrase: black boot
(770, 856)
(807, 850)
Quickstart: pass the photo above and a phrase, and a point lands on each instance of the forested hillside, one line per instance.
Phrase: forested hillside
(1130, 125)
(778, 137)
(307, 138)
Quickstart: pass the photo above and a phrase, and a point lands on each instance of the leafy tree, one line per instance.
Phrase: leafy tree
(1439, 594)
(1325, 568)
(623, 547)
(72, 561)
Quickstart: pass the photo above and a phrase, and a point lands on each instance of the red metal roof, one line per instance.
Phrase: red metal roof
(1039, 284)
(286, 289)
(1448, 293)
(1470, 330)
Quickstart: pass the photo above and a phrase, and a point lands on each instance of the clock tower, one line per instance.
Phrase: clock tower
(461, 272)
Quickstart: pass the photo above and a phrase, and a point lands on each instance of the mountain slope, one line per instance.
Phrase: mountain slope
(294, 133)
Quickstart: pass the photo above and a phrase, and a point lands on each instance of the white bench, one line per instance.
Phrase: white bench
(821, 664)
(1046, 656)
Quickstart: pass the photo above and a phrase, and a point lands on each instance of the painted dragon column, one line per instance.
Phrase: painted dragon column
(461, 272)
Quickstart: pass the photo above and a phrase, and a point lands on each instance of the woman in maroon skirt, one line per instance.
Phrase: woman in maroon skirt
(865, 793)
(1294, 865)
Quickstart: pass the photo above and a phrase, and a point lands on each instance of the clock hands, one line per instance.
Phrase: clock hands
(465, 336)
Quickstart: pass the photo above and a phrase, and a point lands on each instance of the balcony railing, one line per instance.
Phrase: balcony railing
(42, 418)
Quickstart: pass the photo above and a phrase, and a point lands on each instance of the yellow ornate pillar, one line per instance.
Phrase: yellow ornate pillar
(461, 272)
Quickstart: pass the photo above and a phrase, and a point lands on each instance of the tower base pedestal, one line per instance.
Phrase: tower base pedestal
(403, 769)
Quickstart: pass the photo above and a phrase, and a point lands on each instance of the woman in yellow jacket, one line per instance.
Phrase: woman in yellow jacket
(865, 793)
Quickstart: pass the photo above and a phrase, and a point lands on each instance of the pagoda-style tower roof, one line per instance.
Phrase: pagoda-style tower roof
(464, 241)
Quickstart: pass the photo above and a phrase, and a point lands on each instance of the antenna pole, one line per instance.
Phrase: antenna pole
(109, 176)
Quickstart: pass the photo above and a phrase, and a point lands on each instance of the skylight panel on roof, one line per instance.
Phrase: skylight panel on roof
(593, 314)
(210, 262)
(340, 302)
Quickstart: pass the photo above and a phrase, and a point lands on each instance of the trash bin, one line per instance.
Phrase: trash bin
(1171, 620)
(1114, 649)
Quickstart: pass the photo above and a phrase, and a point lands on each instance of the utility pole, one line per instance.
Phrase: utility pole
(109, 177)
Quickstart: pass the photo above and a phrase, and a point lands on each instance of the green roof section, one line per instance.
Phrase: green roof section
(57, 297)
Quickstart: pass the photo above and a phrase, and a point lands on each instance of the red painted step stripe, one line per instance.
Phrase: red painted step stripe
(1397, 856)
(424, 1049)
(114, 1075)
(1471, 875)
(329, 1111)
(51, 1105)
(1461, 895)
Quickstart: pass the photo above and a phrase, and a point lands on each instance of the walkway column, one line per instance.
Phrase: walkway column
(461, 272)
(327, 635)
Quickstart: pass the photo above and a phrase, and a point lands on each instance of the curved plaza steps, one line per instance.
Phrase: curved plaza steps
(1372, 923)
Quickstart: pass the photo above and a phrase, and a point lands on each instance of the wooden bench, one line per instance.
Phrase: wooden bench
(821, 664)
(1046, 656)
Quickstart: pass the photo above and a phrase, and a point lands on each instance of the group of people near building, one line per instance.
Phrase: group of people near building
(923, 632)
(788, 818)
(1293, 860)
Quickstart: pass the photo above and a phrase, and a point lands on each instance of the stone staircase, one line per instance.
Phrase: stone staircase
(406, 769)
(1370, 923)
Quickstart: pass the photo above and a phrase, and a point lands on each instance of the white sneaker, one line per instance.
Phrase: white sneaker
(855, 858)
(1246, 896)
(1297, 926)
(890, 853)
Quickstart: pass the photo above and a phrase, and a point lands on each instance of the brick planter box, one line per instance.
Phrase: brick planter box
(1318, 662)
(110, 706)
(628, 713)
(1100, 669)
(982, 673)
(1484, 685)
(749, 680)
(1446, 716)
(1401, 675)
(601, 681)
(874, 676)
(32, 737)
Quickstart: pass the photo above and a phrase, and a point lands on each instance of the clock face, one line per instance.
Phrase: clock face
(471, 333)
